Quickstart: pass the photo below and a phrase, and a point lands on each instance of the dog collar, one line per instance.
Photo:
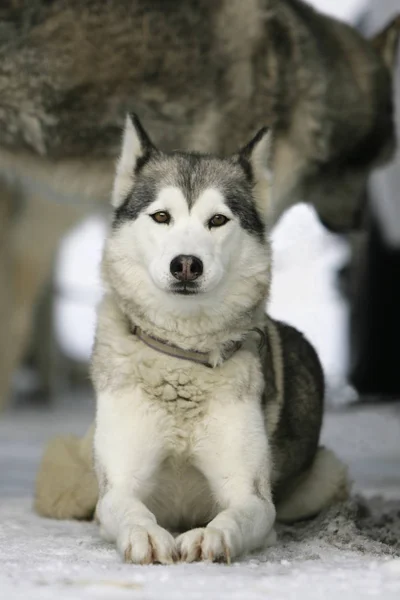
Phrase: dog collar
(202, 358)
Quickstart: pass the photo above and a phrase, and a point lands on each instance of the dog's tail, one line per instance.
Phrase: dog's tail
(324, 483)
(66, 484)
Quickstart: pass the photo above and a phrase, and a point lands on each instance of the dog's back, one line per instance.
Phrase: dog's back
(228, 67)
(181, 62)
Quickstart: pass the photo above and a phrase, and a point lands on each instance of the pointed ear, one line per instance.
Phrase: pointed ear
(386, 42)
(136, 151)
(257, 155)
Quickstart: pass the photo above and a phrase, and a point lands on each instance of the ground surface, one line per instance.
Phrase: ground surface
(347, 553)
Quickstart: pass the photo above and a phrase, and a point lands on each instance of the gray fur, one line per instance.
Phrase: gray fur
(161, 419)
(192, 174)
(296, 437)
(202, 75)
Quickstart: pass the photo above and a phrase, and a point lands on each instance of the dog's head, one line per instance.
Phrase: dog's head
(188, 231)
(343, 211)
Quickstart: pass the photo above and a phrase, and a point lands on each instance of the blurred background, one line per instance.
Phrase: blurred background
(342, 291)
(349, 285)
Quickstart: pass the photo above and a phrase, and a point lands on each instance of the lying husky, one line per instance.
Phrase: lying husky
(208, 411)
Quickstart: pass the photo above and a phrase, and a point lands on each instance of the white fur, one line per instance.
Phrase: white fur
(273, 409)
(137, 261)
(150, 246)
(178, 445)
(261, 164)
(131, 151)
(171, 457)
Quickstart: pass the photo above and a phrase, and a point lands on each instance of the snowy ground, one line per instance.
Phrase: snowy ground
(337, 556)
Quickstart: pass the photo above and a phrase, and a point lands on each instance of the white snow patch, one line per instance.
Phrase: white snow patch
(42, 559)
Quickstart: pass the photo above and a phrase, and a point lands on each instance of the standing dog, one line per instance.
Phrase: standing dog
(208, 411)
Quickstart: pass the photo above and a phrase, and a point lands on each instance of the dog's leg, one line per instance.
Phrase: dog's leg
(129, 450)
(234, 456)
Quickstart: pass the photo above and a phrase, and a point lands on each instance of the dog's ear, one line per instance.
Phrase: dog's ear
(386, 42)
(137, 148)
(256, 159)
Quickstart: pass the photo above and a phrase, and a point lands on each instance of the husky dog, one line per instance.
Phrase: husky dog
(208, 411)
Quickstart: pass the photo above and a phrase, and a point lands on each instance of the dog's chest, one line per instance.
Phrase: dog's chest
(183, 392)
(180, 397)
(181, 496)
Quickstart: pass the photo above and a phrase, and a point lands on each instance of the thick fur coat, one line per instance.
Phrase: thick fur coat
(209, 450)
(201, 75)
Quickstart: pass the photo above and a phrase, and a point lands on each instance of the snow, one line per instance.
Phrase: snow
(68, 561)
(329, 558)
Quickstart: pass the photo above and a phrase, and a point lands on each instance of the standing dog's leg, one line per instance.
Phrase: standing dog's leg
(129, 450)
(233, 454)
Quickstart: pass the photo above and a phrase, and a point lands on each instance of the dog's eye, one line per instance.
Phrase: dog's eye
(161, 217)
(217, 221)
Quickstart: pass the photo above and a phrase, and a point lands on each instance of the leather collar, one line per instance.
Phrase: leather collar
(202, 358)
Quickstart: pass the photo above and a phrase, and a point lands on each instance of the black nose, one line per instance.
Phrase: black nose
(186, 268)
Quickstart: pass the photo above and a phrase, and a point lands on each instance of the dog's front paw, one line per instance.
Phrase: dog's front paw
(207, 544)
(147, 545)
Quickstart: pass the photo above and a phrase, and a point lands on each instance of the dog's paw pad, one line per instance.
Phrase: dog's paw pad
(144, 546)
(215, 547)
(206, 544)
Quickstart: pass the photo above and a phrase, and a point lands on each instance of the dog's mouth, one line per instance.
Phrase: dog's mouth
(188, 288)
